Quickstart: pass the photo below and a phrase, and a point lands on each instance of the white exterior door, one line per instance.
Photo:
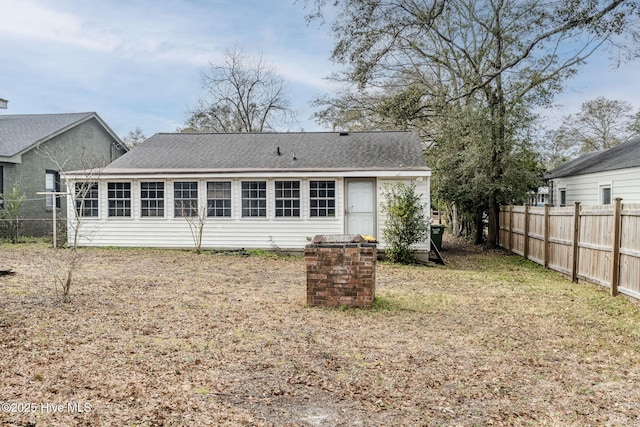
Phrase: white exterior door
(361, 212)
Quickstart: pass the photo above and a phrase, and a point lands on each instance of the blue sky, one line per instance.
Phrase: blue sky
(137, 63)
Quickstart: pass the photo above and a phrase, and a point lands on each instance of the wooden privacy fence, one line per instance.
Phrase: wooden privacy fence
(597, 244)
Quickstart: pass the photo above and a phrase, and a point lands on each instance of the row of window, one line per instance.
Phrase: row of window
(322, 199)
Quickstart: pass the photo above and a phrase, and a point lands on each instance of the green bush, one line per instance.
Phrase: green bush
(10, 225)
(406, 223)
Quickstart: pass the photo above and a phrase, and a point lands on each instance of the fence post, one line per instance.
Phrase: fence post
(526, 231)
(615, 253)
(546, 236)
(576, 240)
(510, 228)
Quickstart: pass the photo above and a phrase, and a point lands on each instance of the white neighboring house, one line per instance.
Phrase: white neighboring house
(599, 177)
(539, 197)
(257, 190)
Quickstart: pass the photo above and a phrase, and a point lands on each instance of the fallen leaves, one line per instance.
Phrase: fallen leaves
(173, 338)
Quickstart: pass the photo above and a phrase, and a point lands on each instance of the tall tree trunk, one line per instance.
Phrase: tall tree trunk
(494, 221)
(478, 237)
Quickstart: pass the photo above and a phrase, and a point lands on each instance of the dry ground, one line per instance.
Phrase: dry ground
(155, 338)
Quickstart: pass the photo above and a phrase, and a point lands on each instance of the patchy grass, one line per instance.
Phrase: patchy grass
(173, 338)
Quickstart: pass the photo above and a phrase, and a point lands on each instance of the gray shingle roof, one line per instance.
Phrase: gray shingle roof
(20, 132)
(259, 151)
(625, 155)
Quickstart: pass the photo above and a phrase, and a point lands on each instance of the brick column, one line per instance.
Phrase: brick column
(341, 270)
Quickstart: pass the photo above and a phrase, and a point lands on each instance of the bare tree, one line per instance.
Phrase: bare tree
(134, 138)
(83, 194)
(601, 123)
(243, 95)
(196, 219)
(84, 198)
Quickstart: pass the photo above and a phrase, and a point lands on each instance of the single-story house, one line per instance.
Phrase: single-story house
(539, 197)
(597, 178)
(36, 148)
(247, 190)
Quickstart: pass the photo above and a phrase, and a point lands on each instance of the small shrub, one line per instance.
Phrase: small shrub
(10, 225)
(406, 222)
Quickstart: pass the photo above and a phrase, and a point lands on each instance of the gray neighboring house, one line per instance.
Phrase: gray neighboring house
(251, 190)
(597, 178)
(36, 148)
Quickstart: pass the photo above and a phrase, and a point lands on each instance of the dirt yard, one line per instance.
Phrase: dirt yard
(171, 338)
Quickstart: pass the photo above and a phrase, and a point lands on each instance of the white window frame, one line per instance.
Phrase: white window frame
(560, 193)
(161, 211)
(601, 190)
(325, 199)
(283, 198)
(251, 199)
(79, 201)
(191, 211)
(213, 202)
(117, 206)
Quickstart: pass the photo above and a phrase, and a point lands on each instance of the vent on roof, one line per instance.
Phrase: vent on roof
(277, 151)
(3, 103)
(343, 133)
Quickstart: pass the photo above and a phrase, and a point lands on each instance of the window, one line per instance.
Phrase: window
(119, 197)
(152, 199)
(219, 198)
(287, 198)
(605, 194)
(185, 199)
(51, 185)
(87, 199)
(563, 197)
(254, 199)
(322, 198)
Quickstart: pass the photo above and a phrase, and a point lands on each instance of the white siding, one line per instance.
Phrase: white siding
(224, 233)
(625, 183)
(422, 188)
(234, 232)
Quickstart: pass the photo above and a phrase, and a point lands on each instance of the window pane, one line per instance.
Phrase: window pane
(322, 198)
(606, 195)
(185, 199)
(287, 198)
(152, 199)
(254, 198)
(119, 199)
(86, 199)
(219, 198)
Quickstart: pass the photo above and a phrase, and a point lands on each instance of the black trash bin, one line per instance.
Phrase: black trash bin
(437, 230)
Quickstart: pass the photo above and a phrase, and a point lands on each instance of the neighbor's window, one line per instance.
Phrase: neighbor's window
(87, 199)
(51, 185)
(185, 199)
(287, 198)
(254, 199)
(322, 198)
(605, 194)
(152, 199)
(563, 197)
(119, 198)
(219, 198)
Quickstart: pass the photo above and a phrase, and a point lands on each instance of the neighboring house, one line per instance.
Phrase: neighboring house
(36, 148)
(253, 190)
(599, 177)
(540, 197)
